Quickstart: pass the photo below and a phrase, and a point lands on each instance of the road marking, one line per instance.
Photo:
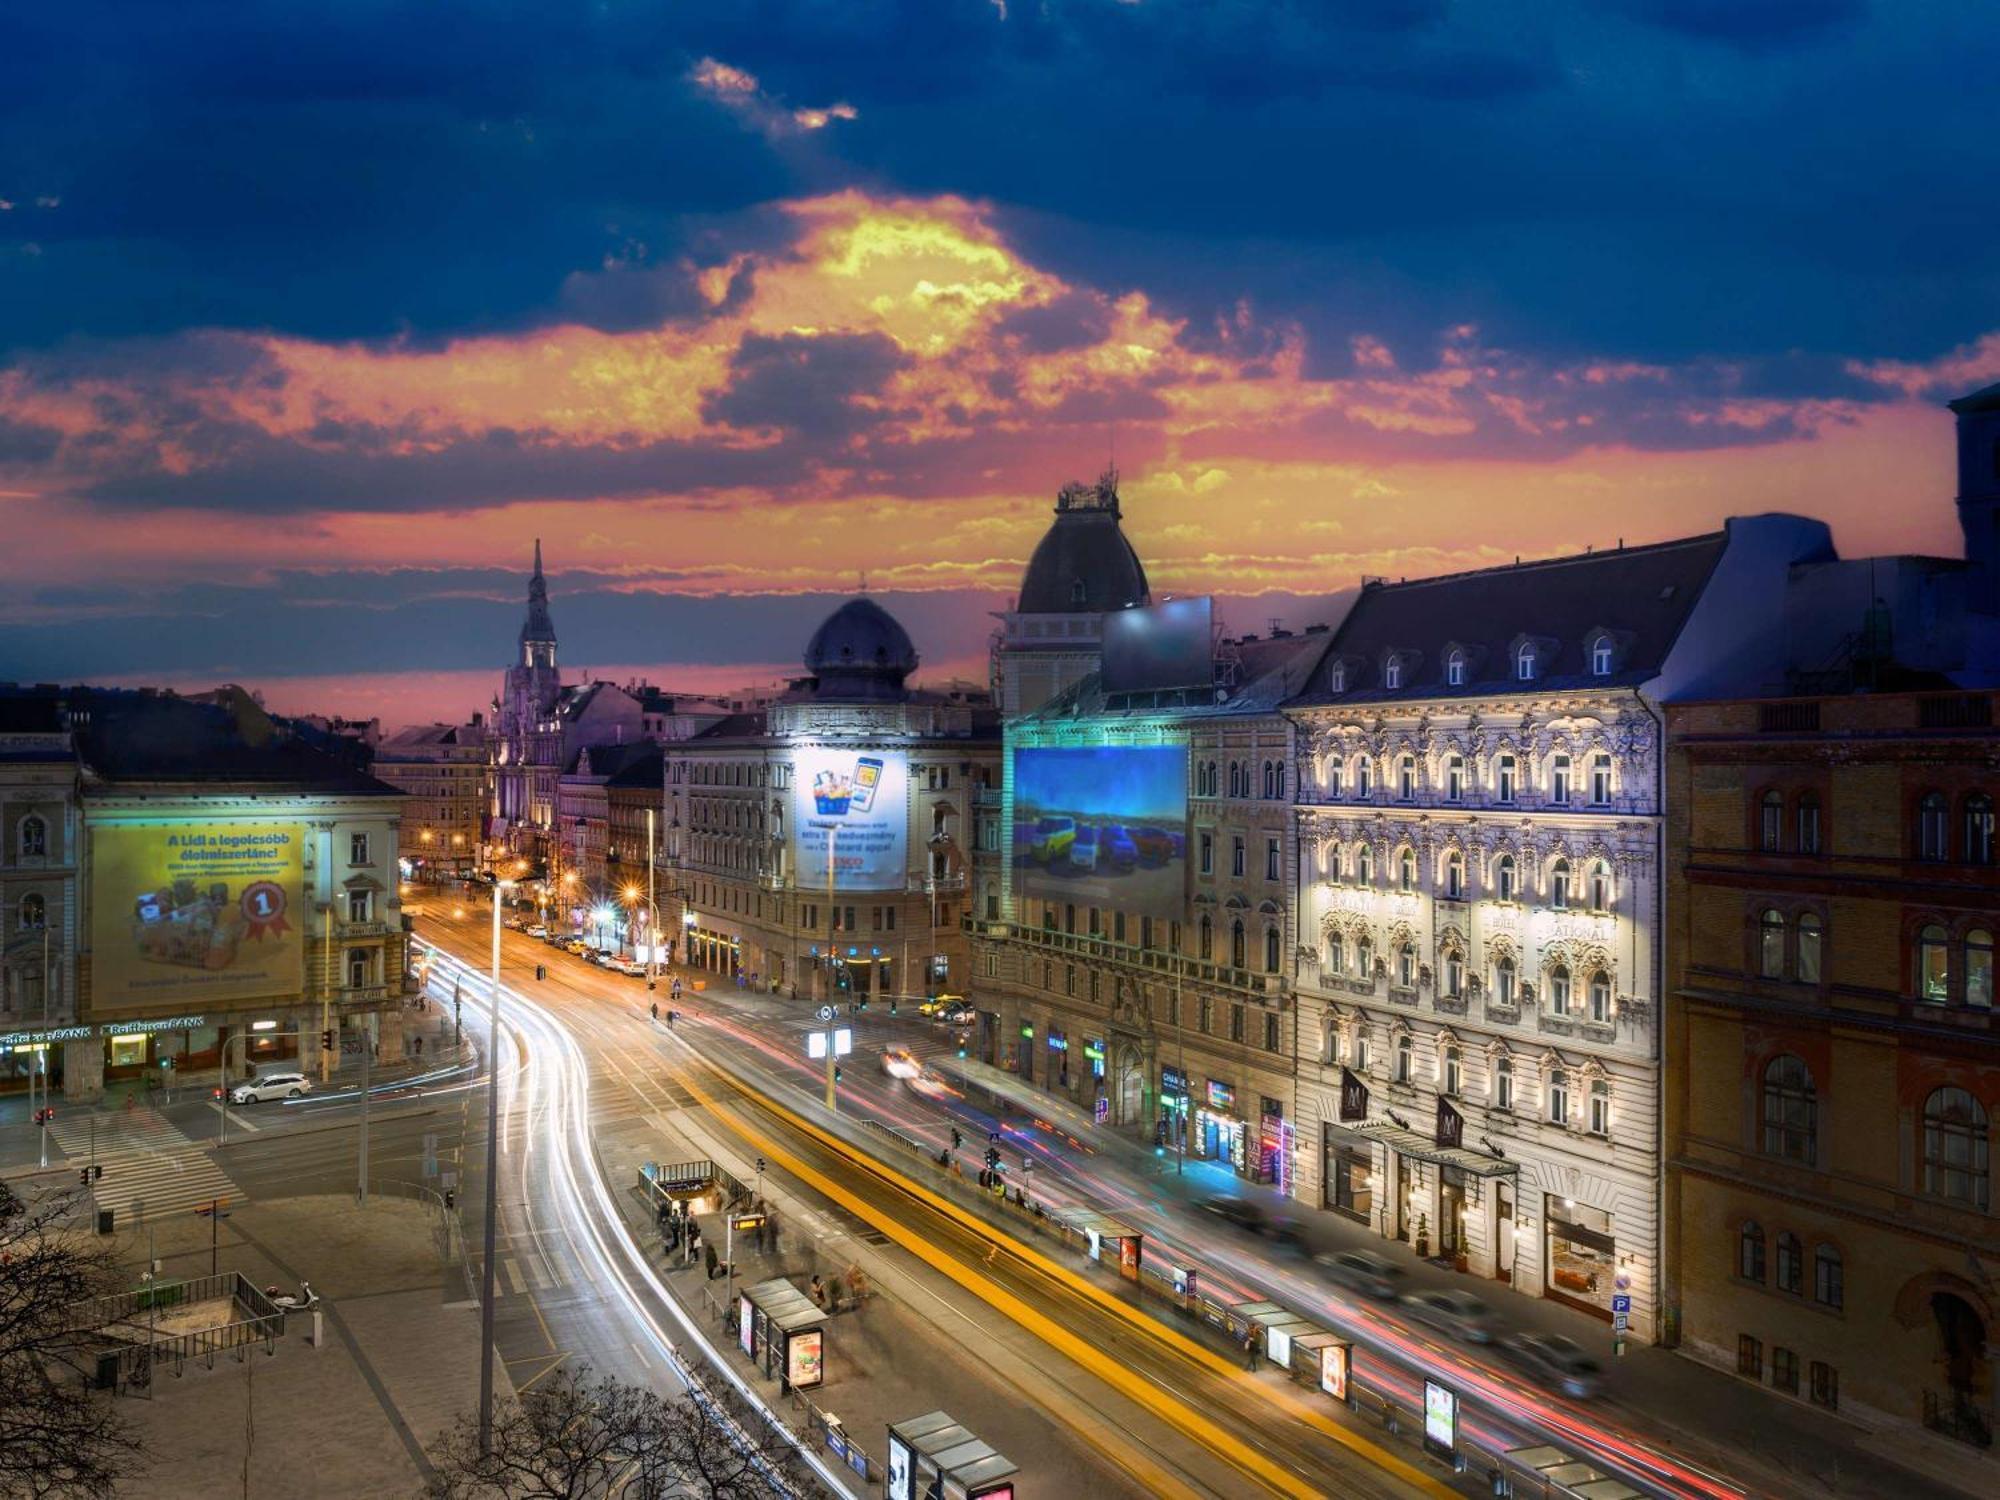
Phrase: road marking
(642, 1354)
(240, 1122)
(513, 1273)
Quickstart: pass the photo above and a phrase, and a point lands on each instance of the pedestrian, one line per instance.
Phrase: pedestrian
(666, 1211)
(817, 1291)
(420, 1046)
(656, 1010)
(1253, 1347)
(708, 1260)
(857, 1285)
(672, 1016)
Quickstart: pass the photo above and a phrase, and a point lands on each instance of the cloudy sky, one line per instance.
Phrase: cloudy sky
(312, 318)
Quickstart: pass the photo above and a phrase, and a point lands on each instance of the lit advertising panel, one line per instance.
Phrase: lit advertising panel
(1160, 646)
(199, 911)
(1102, 825)
(804, 1359)
(855, 805)
(1440, 1418)
(899, 1485)
(1333, 1371)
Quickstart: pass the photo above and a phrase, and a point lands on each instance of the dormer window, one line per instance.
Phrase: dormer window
(1454, 668)
(1524, 663)
(1336, 679)
(1079, 595)
(1392, 673)
(1600, 656)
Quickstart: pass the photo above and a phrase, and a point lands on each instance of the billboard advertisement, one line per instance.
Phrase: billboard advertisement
(851, 806)
(1160, 646)
(1440, 1418)
(1102, 825)
(195, 912)
(805, 1359)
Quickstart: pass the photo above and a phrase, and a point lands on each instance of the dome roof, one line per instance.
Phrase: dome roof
(1084, 565)
(859, 651)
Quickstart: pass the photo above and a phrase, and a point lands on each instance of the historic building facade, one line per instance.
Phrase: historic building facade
(1833, 1053)
(39, 911)
(751, 800)
(1480, 809)
(527, 740)
(443, 770)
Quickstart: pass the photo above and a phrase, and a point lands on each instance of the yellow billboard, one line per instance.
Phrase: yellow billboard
(196, 911)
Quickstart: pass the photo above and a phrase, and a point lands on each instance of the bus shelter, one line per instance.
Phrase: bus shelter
(784, 1332)
(933, 1457)
(1325, 1360)
(1281, 1327)
(1550, 1473)
(1110, 1240)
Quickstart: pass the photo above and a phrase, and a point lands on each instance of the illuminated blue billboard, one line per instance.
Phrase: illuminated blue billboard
(1102, 825)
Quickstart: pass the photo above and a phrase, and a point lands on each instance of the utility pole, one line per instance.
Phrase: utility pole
(38, 1060)
(367, 1053)
(492, 1192)
(1187, 1105)
(326, 994)
(832, 939)
(652, 910)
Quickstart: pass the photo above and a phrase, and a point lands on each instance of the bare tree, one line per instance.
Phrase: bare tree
(56, 1438)
(574, 1437)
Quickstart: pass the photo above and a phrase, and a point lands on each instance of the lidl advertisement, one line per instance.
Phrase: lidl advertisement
(1102, 825)
(196, 911)
(851, 808)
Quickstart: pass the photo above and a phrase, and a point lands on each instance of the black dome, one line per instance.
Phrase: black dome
(859, 651)
(1084, 565)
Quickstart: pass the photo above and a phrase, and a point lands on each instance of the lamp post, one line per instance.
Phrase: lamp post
(492, 1190)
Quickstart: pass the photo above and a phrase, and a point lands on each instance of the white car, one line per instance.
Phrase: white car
(271, 1086)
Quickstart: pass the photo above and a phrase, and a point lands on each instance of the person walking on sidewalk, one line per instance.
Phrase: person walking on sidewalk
(708, 1260)
(1253, 1348)
(817, 1291)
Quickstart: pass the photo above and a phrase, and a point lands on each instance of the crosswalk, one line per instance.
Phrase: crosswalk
(146, 1160)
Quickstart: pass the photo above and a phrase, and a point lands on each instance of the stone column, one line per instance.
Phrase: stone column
(83, 1069)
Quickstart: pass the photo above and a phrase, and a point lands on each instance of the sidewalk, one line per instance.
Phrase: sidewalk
(353, 1417)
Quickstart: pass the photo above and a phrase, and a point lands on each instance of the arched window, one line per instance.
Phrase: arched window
(1524, 663)
(1829, 1278)
(34, 837)
(1559, 884)
(1791, 1263)
(1364, 958)
(1270, 950)
(1336, 677)
(1791, 1110)
(1406, 1057)
(1406, 966)
(1955, 1147)
(1558, 1100)
(1336, 778)
(1505, 982)
(1559, 991)
(1503, 878)
(1933, 965)
(1336, 954)
(1808, 959)
(1600, 780)
(1978, 829)
(1331, 862)
(1933, 827)
(1451, 1073)
(1600, 886)
(1454, 974)
(1503, 1083)
(1205, 937)
(1979, 968)
(1750, 1252)
(1392, 673)
(1267, 781)
(1278, 777)
(1559, 781)
(1600, 998)
(1238, 944)
(1406, 870)
(1807, 821)
(1454, 876)
(1364, 864)
(1364, 778)
(34, 913)
(1600, 656)
(1406, 778)
(1454, 779)
(1771, 943)
(1454, 668)
(1770, 821)
(1503, 779)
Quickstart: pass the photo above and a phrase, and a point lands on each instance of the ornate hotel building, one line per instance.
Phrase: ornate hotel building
(1479, 797)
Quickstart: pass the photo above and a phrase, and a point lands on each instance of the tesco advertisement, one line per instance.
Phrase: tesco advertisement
(850, 808)
(1102, 825)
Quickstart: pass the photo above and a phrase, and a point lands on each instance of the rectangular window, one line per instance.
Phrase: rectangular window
(357, 906)
(1270, 1033)
(992, 966)
(1069, 979)
(890, 911)
(1749, 1356)
(1207, 1015)
(1503, 780)
(1236, 856)
(850, 920)
(360, 968)
(357, 849)
(1825, 1385)
(1600, 780)
(1208, 854)
(1270, 859)
(1785, 1371)
(1235, 1023)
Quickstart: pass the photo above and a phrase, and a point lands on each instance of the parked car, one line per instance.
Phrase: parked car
(577, 946)
(1244, 1213)
(630, 966)
(1155, 845)
(958, 1013)
(1121, 852)
(1557, 1360)
(1467, 1318)
(1363, 1271)
(538, 931)
(271, 1086)
(1083, 848)
(1053, 836)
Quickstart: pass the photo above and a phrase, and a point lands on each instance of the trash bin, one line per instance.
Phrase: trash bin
(541, 971)
(107, 1373)
(104, 1219)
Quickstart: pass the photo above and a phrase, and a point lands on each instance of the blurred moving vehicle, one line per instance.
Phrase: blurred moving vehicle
(958, 1013)
(1465, 1317)
(1363, 1271)
(1244, 1213)
(1555, 1360)
(898, 1063)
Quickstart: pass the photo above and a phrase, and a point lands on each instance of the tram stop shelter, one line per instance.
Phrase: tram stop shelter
(934, 1453)
(784, 1331)
(1282, 1328)
(1550, 1473)
(1110, 1239)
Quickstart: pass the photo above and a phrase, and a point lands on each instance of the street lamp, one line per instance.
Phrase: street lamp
(492, 1189)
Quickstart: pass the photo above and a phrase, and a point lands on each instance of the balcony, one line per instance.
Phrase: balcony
(360, 929)
(362, 994)
(1953, 1414)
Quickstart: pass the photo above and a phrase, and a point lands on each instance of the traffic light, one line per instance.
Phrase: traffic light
(97, 1171)
(84, 1174)
(326, 1040)
(45, 1116)
(992, 1158)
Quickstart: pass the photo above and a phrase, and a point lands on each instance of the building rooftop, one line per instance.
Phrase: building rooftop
(1084, 564)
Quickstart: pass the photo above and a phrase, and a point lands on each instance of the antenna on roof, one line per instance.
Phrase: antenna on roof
(864, 580)
(1277, 623)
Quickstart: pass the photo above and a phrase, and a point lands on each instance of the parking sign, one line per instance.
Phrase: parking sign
(1621, 1303)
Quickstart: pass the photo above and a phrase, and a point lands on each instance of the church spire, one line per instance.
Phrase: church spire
(538, 629)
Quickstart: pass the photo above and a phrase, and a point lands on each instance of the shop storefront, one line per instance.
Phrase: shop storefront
(1058, 1058)
(1173, 1126)
(1347, 1174)
(1274, 1147)
(1582, 1254)
(1219, 1133)
(134, 1049)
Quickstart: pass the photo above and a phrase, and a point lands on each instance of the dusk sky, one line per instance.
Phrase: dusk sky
(312, 319)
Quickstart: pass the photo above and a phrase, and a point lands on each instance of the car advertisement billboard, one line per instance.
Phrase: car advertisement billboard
(850, 806)
(196, 912)
(1102, 825)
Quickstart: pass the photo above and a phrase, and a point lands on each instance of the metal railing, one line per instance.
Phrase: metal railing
(1953, 1414)
(117, 1329)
